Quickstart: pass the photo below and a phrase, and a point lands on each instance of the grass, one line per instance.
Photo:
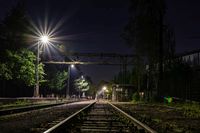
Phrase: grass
(191, 110)
(157, 120)
(17, 103)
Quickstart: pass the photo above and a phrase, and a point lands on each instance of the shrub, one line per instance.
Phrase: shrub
(135, 97)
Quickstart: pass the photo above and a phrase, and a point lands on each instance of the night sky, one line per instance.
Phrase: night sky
(95, 26)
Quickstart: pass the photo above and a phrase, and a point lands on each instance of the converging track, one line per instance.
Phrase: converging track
(100, 117)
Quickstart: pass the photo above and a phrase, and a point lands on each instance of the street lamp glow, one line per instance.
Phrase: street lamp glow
(72, 66)
(44, 36)
(44, 39)
(104, 88)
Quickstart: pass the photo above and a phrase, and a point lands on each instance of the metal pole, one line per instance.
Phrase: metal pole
(36, 91)
(79, 93)
(67, 92)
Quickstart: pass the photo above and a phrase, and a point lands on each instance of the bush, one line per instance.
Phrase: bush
(135, 97)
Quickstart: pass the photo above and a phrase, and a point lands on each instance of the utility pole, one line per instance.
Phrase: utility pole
(68, 84)
(36, 91)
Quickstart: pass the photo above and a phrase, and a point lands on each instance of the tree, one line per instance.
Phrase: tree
(59, 80)
(17, 66)
(130, 78)
(82, 85)
(5, 72)
(17, 73)
(146, 33)
(143, 30)
(92, 91)
(178, 75)
(13, 28)
(20, 66)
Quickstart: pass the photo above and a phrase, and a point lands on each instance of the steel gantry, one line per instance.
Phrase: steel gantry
(96, 59)
(122, 60)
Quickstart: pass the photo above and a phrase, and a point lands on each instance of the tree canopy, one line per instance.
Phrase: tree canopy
(13, 28)
(147, 30)
(59, 80)
(20, 65)
(17, 63)
(82, 84)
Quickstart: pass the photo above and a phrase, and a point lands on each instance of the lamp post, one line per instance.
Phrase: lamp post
(43, 40)
(68, 84)
(82, 77)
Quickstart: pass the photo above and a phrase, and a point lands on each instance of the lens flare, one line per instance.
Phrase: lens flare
(46, 35)
(44, 39)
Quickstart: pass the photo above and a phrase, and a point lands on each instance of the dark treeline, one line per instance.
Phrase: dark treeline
(12, 31)
(157, 71)
(17, 60)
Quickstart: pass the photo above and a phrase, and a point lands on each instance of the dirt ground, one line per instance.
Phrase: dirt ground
(163, 119)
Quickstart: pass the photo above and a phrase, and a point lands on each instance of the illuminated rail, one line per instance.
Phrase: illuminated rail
(100, 117)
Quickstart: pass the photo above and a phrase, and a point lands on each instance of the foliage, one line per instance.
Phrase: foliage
(20, 66)
(128, 78)
(143, 27)
(177, 76)
(92, 91)
(151, 39)
(59, 80)
(18, 103)
(5, 73)
(82, 84)
(13, 28)
(131, 77)
(17, 66)
(136, 97)
(191, 110)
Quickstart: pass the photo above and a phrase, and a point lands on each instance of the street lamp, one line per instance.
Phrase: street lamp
(104, 90)
(44, 39)
(69, 71)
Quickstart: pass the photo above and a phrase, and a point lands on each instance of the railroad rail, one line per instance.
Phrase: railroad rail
(29, 108)
(99, 117)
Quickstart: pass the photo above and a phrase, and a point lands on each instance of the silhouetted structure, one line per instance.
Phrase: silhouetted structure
(183, 79)
(123, 92)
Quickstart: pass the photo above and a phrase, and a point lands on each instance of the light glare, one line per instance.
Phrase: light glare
(44, 39)
(72, 66)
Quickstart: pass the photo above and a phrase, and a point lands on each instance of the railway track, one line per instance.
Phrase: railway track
(100, 117)
(29, 108)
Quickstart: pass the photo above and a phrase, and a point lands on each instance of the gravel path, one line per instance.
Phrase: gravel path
(163, 119)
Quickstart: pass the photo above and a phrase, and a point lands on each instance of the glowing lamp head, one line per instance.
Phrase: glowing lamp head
(72, 66)
(44, 39)
(104, 88)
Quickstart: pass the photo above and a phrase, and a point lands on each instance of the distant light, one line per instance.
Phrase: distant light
(72, 66)
(82, 77)
(44, 39)
(104, 88)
